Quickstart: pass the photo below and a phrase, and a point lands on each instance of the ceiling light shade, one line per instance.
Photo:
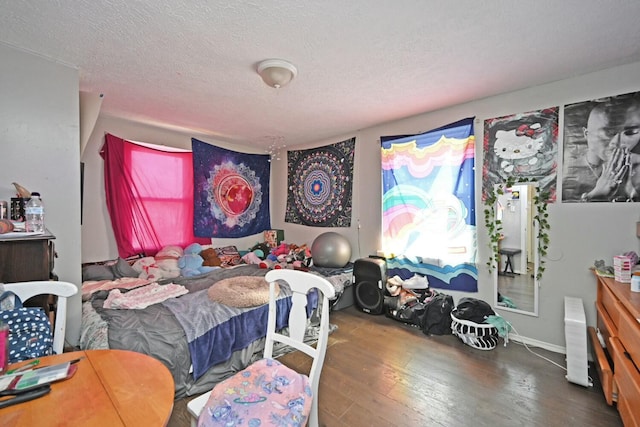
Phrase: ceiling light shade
(276, 72)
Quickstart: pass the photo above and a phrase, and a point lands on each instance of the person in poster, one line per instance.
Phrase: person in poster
(601, 150)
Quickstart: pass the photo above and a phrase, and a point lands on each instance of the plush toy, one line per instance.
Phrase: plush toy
(267, 263)
(273, 265)
(251, 258)
(170, 252)
(147, 268)
(191, 262)
(211, 258)
(261, 250)
(283, 249)
(167, 260)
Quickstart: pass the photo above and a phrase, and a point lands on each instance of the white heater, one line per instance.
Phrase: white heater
(575, 333)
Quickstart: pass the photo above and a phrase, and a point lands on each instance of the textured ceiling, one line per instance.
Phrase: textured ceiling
(191, 64)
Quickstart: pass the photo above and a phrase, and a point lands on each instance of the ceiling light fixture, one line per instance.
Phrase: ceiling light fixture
(277, 72)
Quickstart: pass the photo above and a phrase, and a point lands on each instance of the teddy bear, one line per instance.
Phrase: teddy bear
(210, 257)
(190, 262)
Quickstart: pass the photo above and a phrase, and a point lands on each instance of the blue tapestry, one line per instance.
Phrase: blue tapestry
(320, 184)
(231, 192)
(428, 206)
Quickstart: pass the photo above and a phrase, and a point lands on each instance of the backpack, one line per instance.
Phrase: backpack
(473, 309)
(437, 315)
(30, 334)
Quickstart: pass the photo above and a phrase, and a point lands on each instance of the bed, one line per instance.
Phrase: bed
(200, 340)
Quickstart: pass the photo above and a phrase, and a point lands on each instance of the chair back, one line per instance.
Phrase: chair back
(301, 283)
(63, 290)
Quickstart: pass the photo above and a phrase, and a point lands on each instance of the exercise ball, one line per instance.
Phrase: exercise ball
(331, 250)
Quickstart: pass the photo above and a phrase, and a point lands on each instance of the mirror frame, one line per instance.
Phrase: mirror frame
(494, 228)
(499, 190)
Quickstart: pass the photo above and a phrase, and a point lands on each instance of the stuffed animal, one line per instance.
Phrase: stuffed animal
(273, 265)
(283, 249)
(147, 268)
(251, 258)
(167, 260)
(191, 262)
(211, 258)
(261, 250)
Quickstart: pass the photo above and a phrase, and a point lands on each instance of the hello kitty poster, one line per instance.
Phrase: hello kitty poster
(523, 145)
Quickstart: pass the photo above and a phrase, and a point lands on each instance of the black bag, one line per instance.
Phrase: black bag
(437, 315)
(475, 310)
(411, 312)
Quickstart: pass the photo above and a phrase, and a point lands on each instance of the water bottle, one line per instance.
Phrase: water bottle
(34, 213)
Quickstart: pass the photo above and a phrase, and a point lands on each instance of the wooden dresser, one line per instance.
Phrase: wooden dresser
(618, 311)
(26, 257)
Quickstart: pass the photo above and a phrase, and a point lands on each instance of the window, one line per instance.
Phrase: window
(149, 192)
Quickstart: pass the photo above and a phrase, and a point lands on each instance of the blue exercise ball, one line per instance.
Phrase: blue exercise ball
(331, 250)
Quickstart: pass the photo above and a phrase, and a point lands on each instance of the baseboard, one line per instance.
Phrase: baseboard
(540, 344)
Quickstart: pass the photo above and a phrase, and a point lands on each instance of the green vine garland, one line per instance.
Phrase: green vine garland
(494, 226)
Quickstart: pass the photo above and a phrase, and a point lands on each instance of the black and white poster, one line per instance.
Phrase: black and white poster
(601, 150)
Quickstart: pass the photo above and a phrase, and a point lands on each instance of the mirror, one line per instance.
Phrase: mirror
(516, 286)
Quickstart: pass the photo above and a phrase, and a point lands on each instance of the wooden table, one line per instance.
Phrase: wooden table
(110, 388)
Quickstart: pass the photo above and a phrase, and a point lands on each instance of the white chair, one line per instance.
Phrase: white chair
(300, 283)
(63, 290)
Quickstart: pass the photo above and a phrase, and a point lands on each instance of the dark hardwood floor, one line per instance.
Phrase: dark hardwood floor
(379, 372)
(519, 288)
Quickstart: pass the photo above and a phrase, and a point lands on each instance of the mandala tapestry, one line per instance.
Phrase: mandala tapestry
(231, 192)
(320, 185)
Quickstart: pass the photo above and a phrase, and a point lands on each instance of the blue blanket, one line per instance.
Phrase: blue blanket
(215, 330)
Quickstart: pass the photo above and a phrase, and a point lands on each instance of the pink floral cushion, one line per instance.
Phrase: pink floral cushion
(265, 393)
(229, 256)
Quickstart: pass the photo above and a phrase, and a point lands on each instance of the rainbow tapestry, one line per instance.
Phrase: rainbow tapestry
(231, 192)
(428, 206)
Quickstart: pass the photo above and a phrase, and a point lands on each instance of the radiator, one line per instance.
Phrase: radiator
(575, 333)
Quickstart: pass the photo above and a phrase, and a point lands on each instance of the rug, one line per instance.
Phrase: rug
(241, 291)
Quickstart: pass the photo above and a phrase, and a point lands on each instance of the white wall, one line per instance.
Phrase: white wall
(580, 233)
(40, 149)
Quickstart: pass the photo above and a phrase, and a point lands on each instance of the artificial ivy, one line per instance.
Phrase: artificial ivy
(494, 226)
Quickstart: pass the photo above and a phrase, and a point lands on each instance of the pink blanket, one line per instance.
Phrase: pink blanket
(144, 296)
(91, 286)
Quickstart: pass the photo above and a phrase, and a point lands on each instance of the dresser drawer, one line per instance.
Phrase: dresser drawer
(629, 334)
(605, 324)
(627, 380)
(603, 367)
(609, 304)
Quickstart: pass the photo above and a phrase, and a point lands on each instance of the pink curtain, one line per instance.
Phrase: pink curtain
(149, 196)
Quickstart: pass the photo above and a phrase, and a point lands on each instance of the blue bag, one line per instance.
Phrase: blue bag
(30, 334)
